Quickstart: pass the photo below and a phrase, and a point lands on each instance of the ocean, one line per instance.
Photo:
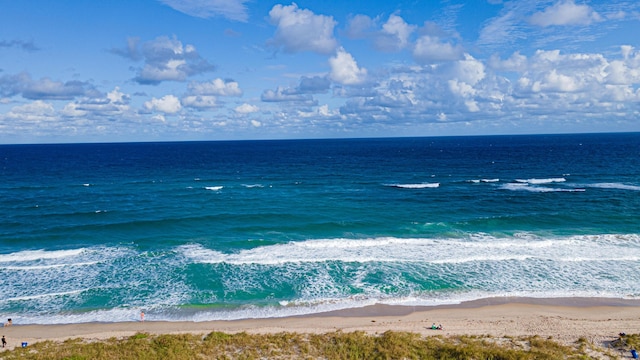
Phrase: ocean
(201, 231)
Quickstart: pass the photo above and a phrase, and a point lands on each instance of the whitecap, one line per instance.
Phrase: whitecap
(617, 186)
(33, 255)
(415, 186)
(541, 181)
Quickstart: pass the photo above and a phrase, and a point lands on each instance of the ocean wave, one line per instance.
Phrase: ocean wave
(541, 181)
(310, 276)
(412, 250)
(45, 296)
(214, 188)
(52, 266)
(477, 181)
(34, 255)
(250, 186)
(415, 186)
(539, 189)
(617, 186)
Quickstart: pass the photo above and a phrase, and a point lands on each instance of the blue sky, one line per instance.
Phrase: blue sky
(154, 70)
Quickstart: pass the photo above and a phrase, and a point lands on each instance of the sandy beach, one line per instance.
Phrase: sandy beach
(564, 320)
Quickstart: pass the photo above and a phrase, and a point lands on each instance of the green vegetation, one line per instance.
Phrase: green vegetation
(336, 345)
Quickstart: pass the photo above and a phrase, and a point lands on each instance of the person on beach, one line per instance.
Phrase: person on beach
(142, 316)
(8, 323)
(4, 341)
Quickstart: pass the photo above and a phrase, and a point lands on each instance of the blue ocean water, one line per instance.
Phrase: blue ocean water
(227, 230)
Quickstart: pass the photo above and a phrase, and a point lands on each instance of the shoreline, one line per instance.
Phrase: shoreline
(565, 320)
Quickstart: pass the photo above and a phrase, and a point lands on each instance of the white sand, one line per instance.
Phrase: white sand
(564, 320)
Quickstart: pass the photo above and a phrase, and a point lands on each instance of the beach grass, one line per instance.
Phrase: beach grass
(332, 345)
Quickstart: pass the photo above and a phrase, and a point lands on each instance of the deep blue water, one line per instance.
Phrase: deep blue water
(220, 230)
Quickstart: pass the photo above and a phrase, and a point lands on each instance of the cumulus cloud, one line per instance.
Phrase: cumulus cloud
(359, 26)
(36, 111)
(165, 59)
(215, 87)
(565, 12)
(45, 88)
(320, 112)
(392, 35)
(246, 109)
(287, 95)
(345, 70)
(301, 30)
(395, 34)
(230, 9)
(55, 90)
(429, 49)
(168, 104)
(468, 70)
(518, 88)
(201, 102)
(113, 103)
(314, 85)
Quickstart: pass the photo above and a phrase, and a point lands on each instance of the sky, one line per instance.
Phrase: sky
(182, 70)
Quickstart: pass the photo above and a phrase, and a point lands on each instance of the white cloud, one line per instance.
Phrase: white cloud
(44, 88)
(395, 34)
(256, 123)
(345, 70)
(117, 97)
(287, 95)
(231, 9)
(392, 35)
(114, 103)
(36, 111)
(515, 63)
(358, 26)
(553, 81)
(166, 59)
(168, 104)
(73, 110)
(200, 101)
(322, 111)
(215, 87)
(469, 70)
(565, 12)
(301, 30)
(397, 27)
(246, 109)
(429, 49)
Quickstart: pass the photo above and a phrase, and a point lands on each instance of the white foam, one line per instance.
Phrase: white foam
(541, 181)
(477, 181)
(45, 296)
(524, 186)
(214, 188)
(617, 186)
(53, 266)
(437, 251)
(32, 255)
(415, 186)
(253, 185)
(327, 272)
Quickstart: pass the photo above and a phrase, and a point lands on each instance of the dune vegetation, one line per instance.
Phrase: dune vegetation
(335, 345)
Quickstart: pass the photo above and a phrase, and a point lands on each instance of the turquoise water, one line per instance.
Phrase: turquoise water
(227, 230)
